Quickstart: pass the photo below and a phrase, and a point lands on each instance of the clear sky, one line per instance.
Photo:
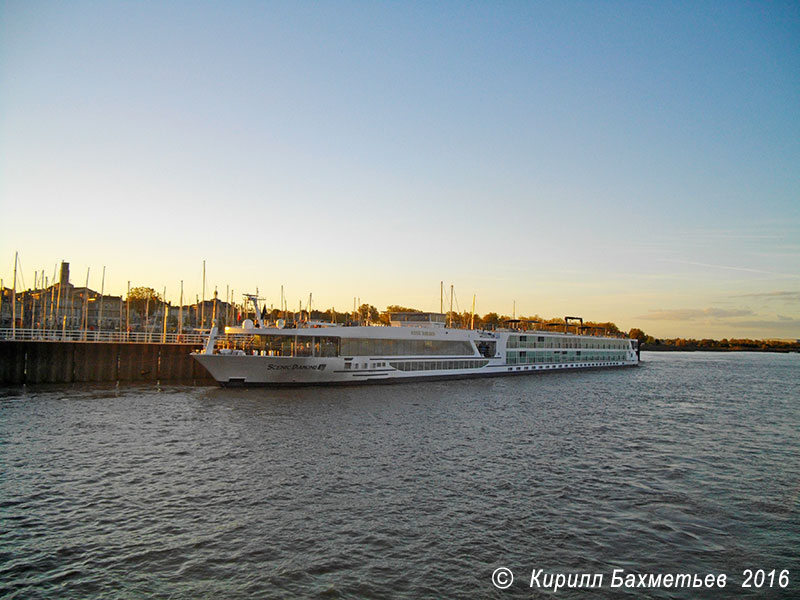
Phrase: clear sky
(629, 161)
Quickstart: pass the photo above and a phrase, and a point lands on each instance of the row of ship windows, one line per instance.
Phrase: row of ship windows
(383, 347)
(521, 358)
(438, 365)
(533, 341)
(331, 346)
(536, 368)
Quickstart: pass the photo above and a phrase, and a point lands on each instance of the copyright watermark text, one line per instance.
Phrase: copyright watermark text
(503, 578)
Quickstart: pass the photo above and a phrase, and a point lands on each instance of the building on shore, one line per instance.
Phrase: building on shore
(63, 306)
(59, 306)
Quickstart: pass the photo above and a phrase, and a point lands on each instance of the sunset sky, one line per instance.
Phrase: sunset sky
(627, 161)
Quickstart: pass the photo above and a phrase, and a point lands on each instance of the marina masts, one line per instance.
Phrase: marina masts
(14, 300)
(102, 293)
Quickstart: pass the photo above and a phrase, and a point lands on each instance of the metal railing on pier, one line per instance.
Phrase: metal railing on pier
(74, 335)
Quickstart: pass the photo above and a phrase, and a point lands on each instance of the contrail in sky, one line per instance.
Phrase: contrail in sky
(746, 270)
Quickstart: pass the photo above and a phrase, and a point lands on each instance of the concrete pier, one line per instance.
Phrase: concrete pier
(75, 362)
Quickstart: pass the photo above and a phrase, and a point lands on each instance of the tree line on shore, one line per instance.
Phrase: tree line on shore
(145, 299)
(648, 342)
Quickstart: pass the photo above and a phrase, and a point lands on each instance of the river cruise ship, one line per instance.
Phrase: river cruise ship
(416, 346)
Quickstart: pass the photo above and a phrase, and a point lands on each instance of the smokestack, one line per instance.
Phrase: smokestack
(64, 280)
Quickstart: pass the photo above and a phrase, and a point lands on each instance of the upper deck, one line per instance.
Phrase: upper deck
(417, 319)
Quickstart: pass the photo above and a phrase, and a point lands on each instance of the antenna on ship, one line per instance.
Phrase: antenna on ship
(254, 299)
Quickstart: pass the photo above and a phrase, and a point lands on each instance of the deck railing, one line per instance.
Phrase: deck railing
(74, 335)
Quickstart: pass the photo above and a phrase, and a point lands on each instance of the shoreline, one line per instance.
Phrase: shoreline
(665, 348)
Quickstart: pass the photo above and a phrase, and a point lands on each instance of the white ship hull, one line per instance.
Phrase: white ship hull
(251, 370)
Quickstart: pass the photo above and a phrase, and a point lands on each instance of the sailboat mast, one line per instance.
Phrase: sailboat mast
(52, 298)
(14, 300)
(203, 305)
(450, 315)
(180, 312)
(472, 316)
(86, 304)
(164, 304)
(102, 292)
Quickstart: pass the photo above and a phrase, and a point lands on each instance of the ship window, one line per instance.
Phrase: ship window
(487, 349)
(273, 345)
(302, 347)
(389, 347)
(326, 346)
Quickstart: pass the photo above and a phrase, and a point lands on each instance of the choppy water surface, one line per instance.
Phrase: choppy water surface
(690, 463)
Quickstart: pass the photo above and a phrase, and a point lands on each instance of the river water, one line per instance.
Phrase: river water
(687, 464)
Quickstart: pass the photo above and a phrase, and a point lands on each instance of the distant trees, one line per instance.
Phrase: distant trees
(144, 300)
(651, 343)
(330, 316)
(637, 334)
(491, 319)
(723, 344)
(368, 314)
(462, 320)
(398, 308)
(383, 318)
(607, 326)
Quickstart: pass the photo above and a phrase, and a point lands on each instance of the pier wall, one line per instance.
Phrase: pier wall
(75, 362)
